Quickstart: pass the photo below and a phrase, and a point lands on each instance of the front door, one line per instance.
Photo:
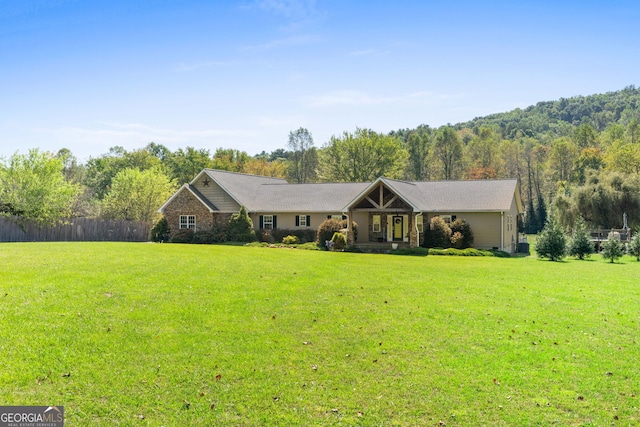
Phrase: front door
(398, 227)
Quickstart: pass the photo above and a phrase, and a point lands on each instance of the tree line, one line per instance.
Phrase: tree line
(586, 168)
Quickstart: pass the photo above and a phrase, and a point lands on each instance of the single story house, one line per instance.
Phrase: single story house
(386, 210)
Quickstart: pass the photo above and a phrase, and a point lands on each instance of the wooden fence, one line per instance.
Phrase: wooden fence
(73, 230)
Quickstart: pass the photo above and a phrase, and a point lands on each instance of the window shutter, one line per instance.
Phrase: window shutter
(344, 217)
(261, 221)
(453, 218)
(275, 223)
(308, 220)
(297, 220)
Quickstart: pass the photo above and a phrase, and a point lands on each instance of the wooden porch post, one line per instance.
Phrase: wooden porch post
(350, 234)
(413, 232)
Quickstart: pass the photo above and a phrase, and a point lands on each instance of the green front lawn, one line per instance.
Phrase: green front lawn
(162, 334)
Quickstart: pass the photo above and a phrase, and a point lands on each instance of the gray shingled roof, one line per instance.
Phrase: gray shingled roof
(466, 196)
(323, 197)
(265, 194)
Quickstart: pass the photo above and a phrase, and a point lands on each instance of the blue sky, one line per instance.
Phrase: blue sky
(91, 74)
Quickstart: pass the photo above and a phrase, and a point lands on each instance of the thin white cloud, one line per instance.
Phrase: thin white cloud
(353, 98)
(292, 9)
(368, 52)
(299, 40)
(184, 67)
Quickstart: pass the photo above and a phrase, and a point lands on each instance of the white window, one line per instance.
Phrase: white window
(448, 219)
(187, 221)
(302, 220)
(376, 224)
(420, 224)
(267, 222)
(509, 223)
(336, 216)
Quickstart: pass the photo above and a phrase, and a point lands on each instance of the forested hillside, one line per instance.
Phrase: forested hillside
(559, 117)
(578, 157)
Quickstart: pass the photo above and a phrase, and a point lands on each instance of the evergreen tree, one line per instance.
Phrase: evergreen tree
(241, 227)
(541, 213)
(612, 249)
(532, 219)
(580, 245)
(634, 246)
(551, 242)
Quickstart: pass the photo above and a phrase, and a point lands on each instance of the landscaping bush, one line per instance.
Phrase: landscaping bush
(241, 227)
(267, 237)
(203, 237)
(328, 227)
(461, 234)
(304, 235)
(411, 251)
(438, 235)
(339, 241)
(468, 252)
(184, 235)
(290, 240)
(160, 231)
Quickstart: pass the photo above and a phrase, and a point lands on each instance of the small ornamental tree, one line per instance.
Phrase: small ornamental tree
(612, 249)
(634, 246)
(551, 242)
(461, 234)
(241, 227)
(580, 246)
(331, 226)
(439, 235)
(339, 241)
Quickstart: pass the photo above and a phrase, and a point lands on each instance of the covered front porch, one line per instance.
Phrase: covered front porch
(384, 218)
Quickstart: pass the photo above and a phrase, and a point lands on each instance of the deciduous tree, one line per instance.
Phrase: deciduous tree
(34, 187)
(362, 156)
(136, 195)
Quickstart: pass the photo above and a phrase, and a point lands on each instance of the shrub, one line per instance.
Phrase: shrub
(551, 242)
(267, 237)
(304, 235)
(612, 249)
(241, 227)
(580, 245)
(456, 240)
(438, 235)
(339, 241)
(328, 227)
(203, 237)
(461, 230)
(184, 235)
(160, 231)
(411, 251)
(290, 240)
(634, 246)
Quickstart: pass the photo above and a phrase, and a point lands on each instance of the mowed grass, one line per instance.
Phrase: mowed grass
(176, 335)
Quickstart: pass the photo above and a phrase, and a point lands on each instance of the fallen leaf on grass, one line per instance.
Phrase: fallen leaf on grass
(218, 377)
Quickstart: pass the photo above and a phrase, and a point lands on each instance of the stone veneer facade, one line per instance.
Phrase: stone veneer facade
(186, 203)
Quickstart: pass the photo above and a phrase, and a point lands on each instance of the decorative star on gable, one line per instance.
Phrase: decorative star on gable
(206, 182)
